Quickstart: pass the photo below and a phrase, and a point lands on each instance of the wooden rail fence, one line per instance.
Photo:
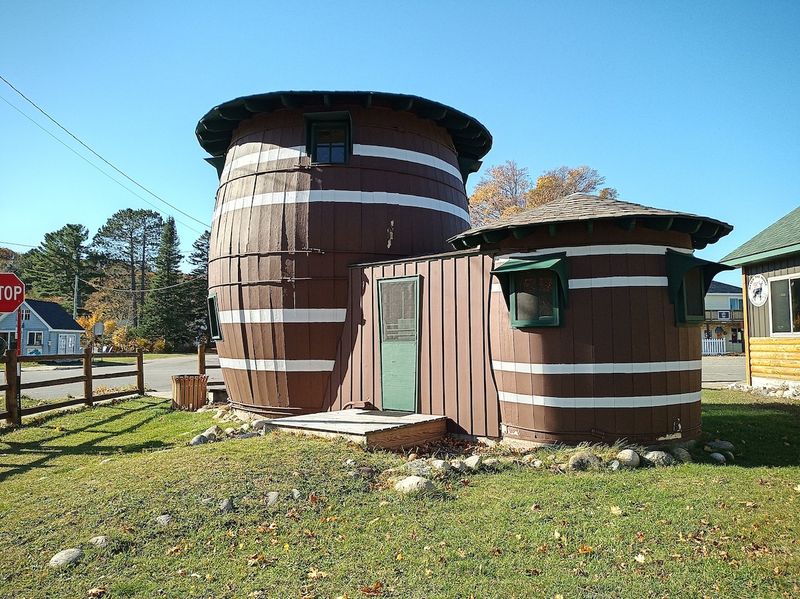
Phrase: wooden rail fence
(14, 385)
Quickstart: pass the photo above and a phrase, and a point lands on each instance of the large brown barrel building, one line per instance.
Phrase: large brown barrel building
(332, 283)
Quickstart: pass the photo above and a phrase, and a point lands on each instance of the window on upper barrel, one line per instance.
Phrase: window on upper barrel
(329, 142)
(213, 318)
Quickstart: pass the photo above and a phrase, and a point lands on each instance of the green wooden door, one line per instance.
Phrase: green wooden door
(398, 306)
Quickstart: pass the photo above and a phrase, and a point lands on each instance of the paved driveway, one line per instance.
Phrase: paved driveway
(720, 371)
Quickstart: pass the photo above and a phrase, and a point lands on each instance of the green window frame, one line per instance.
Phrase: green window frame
(213, 318)
(530, 276)
(688, 280)
(328, 137)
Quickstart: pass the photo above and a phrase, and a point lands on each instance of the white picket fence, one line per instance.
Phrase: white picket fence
(714, 347)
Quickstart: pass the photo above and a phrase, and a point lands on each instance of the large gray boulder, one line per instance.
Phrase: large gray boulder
(413, 484)
(199, 440)
(473, 462)
(628, 458)
(682, 455)
(99, 541)
(583, 460)
(718, 458)
(272, 498)
(419, 467)
(718, 445)
(659, 458)
(66, 557)
(164, 520)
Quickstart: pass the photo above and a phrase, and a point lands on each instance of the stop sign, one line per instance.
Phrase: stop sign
(12, 292)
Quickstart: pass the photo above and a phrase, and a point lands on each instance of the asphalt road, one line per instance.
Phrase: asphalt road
(717, 371)
(157, 376)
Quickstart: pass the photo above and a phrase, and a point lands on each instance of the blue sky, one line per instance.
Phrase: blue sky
(680, 105)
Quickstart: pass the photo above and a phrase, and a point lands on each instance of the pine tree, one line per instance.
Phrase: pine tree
(166, 311)
(199, 286)
(50, 269)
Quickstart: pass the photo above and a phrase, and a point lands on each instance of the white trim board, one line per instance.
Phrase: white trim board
(599, 368)
(604, 282)
(277, 365)
(275, 153)
(338, 197)
(645, 401)
(595, 250)
(286, 315)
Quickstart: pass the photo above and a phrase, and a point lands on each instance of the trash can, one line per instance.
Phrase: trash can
(189, 391)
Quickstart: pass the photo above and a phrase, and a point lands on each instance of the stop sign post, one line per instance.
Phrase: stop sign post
(12, 294)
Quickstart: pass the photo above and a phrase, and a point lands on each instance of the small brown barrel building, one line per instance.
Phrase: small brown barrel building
(310, 183)
(595, 309)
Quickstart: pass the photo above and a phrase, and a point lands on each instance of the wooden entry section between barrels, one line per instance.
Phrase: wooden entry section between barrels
(372, 428)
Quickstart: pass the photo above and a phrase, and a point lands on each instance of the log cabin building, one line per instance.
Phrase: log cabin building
(770, 264)
(343, 273)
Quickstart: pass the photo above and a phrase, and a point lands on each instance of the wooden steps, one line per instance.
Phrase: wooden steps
(371, 428)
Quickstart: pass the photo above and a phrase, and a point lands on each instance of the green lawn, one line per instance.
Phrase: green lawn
(689, 531)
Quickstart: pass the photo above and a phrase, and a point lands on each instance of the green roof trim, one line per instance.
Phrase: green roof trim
(555, 262)
(678, 264)
(780, 238)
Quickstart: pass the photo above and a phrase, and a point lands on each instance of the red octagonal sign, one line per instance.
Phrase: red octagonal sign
(12, 292)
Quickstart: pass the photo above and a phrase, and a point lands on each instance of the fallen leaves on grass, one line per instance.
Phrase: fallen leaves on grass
(616, 510)
(372, 590)
(259, 559)
(584, 549)
(314, 574)
(97, 592)
(640, 559)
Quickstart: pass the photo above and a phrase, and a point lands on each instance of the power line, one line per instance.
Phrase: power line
(22, 245)
(76, 138)
(186, 282)
(92, 164)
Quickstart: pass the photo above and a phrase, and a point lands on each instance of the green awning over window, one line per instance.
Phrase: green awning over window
(679, 263)
(554, 262)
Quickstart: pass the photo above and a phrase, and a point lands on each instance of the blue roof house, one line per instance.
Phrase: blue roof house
(47, 329)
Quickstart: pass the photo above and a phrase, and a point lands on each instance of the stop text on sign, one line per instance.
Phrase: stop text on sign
(12, 292)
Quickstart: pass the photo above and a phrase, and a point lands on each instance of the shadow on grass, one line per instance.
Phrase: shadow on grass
(52, 441)
(765, 434)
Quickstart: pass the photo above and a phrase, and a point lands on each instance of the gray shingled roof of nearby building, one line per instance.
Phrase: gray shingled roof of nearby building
(54, 315)
(780, 238)
(718, 287)
(585, 207)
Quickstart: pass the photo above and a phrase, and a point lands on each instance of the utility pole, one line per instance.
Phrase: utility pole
(75, 299)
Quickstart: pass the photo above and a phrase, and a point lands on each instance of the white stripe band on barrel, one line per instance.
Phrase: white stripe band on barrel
(596, 250)
(600, 368)
(271, 155)
(644, 401)
(601, 282)
(341, 197)
(618, 282)
(289, 315)
(406, 156)
(277, 365)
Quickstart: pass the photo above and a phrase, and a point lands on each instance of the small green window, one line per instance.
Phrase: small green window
(213, 318)
(329, 142)
(534, 299)
(535, 288)
(688, 280)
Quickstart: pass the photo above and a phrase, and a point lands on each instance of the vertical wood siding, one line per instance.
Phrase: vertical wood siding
(455, 377)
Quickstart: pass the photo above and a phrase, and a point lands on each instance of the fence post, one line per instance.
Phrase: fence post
(140, 372)
(87, 375)
(201, 358)
(12, 383)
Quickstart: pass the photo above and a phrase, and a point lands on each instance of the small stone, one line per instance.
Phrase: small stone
(473, 462)
(272, 498)
(66, 557)
(295, 494)
(199, 440)
(350, 462)
(262, 424)
(583, 460)
(164, 519)
(99, 541)
(413, 484)
(442, 465)
(528, 458)
(614, 465)
(628, 458)
(419, 467)
(352, 473)
(207, 501)
(659, 458)
(713, 446)
(507, 460)
(245, 427)
(212, 433)
(728, 456)
(249, 435)
(230, 431)
(491, 463)
(718, 458)
(538, 464)
(458, 465)
(226, 506)
(682, 455)
(366, 472)
(411, 457)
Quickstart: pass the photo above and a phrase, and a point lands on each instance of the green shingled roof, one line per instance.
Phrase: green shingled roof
(780, 238)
